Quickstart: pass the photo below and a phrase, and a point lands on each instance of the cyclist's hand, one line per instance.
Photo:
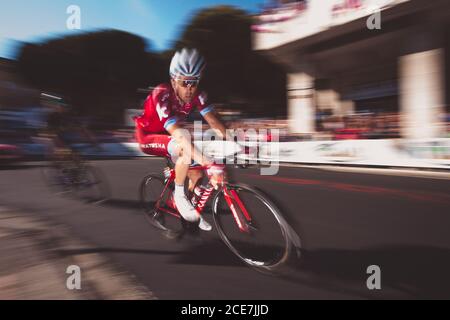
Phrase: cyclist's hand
(238, 146)
(62, 153)
(207, 162)
(216, 175)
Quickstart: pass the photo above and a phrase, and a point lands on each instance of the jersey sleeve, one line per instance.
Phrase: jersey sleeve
(202, 104)
(161, 98)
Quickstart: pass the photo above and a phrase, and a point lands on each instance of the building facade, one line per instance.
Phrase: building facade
(347, 56)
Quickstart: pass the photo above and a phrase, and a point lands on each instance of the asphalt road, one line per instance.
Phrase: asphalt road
(347, 222)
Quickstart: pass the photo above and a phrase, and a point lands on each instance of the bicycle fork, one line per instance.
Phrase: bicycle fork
(243, 225)
(243, 219)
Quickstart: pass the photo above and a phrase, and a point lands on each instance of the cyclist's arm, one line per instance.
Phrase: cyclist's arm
(220, 129)
(216, 124)
(182, 137)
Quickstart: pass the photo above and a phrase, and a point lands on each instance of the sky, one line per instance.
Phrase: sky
(160, 21)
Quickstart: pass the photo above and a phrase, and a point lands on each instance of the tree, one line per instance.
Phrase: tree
(234, 72)
(98, 72)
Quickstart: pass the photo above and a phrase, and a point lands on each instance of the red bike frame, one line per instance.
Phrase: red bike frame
(242, 216)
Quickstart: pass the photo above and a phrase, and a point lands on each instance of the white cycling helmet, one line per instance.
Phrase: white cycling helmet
(187, 63)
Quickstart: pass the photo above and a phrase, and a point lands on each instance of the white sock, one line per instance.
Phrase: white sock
(179, 191)
(184, 206)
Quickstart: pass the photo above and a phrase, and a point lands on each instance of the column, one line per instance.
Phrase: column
(422, 93)
(347, 107)
(301, 107)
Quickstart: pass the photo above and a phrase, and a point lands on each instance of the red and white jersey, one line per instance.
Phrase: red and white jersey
(162, 109)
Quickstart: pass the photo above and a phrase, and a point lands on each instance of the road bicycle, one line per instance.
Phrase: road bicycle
(70, 174)
(249, 223)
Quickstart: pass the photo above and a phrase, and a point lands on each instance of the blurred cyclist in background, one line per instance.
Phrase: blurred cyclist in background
(63, 129)
(159, 129)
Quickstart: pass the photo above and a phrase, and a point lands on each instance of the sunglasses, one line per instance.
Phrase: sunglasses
(188, 83)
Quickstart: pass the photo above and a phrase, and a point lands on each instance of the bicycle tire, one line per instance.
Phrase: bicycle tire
(156, 218)
(93, 187)
(289, 239)
(55, 179)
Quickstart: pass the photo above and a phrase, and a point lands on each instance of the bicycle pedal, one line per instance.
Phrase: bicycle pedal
(191, 227)
(62, 193)
(97, 202)
(252, 226)
(173, 235)
(155, 221)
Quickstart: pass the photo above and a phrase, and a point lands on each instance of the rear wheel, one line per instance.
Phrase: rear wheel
(90, 185)
(150, 191)
(56, 179)
(269, 241)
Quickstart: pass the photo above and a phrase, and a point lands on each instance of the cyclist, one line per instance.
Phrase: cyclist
(63, 129)
(160, 128)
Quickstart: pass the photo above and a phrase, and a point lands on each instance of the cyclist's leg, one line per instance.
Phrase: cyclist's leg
(59, 154)
(182, 164)
(194, 177)
(155, 144)
(165, 146)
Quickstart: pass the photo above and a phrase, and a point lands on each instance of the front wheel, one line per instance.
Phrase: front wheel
(254, 228)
